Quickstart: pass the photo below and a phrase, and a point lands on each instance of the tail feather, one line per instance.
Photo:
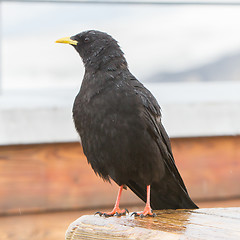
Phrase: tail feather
(140, 191)
(164, 197)
(171, 200)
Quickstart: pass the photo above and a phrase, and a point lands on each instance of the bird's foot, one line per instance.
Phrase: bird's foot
(146, 212)
(115, 212)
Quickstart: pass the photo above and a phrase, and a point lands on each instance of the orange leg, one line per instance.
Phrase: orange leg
(147, 210)
(116, 210)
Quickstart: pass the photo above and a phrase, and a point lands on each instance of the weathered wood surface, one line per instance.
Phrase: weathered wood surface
(211, 223)
(43, 177)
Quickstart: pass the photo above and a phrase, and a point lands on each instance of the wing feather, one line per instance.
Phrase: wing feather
(152, 116)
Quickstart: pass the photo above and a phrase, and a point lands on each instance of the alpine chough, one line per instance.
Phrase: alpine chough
(119, 122)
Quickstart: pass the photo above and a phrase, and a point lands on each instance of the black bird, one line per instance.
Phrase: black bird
(119, 122)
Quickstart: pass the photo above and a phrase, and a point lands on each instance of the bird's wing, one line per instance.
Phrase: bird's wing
(152, 116)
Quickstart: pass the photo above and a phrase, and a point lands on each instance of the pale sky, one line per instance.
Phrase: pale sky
(154, 39)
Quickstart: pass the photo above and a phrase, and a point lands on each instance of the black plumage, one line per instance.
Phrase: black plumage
(119, 122)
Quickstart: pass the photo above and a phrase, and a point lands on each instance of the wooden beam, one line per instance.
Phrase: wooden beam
(211, 223)
(57, 176)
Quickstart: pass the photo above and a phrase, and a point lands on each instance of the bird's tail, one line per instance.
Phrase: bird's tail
(171, 200)
(171, 197)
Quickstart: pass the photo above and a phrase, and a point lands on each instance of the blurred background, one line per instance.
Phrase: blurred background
(186, 53)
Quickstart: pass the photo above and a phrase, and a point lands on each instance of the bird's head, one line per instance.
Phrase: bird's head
(97, 49)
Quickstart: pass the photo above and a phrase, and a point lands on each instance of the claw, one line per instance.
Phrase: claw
(100, 213)
(119, 214)
(115, 212)
(142, 214)
(146, 212)
(107, 215)
(134, 214)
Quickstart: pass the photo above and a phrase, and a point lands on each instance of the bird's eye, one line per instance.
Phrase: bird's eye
(86, 39)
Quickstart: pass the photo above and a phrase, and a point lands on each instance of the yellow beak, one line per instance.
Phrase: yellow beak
(67, 40)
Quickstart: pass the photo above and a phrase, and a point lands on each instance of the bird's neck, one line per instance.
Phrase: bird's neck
(106, 60)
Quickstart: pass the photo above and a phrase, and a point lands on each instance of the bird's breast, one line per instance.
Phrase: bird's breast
(106, 113)
(113, 132)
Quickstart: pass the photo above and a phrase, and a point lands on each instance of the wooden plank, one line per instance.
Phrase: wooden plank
(57, 176)
(169, 224)
(51, 177)
(210, 166)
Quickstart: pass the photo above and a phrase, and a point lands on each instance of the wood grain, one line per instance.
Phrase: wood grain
(56, 176)
(51, 177)
(211, 223)
(210, 166)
